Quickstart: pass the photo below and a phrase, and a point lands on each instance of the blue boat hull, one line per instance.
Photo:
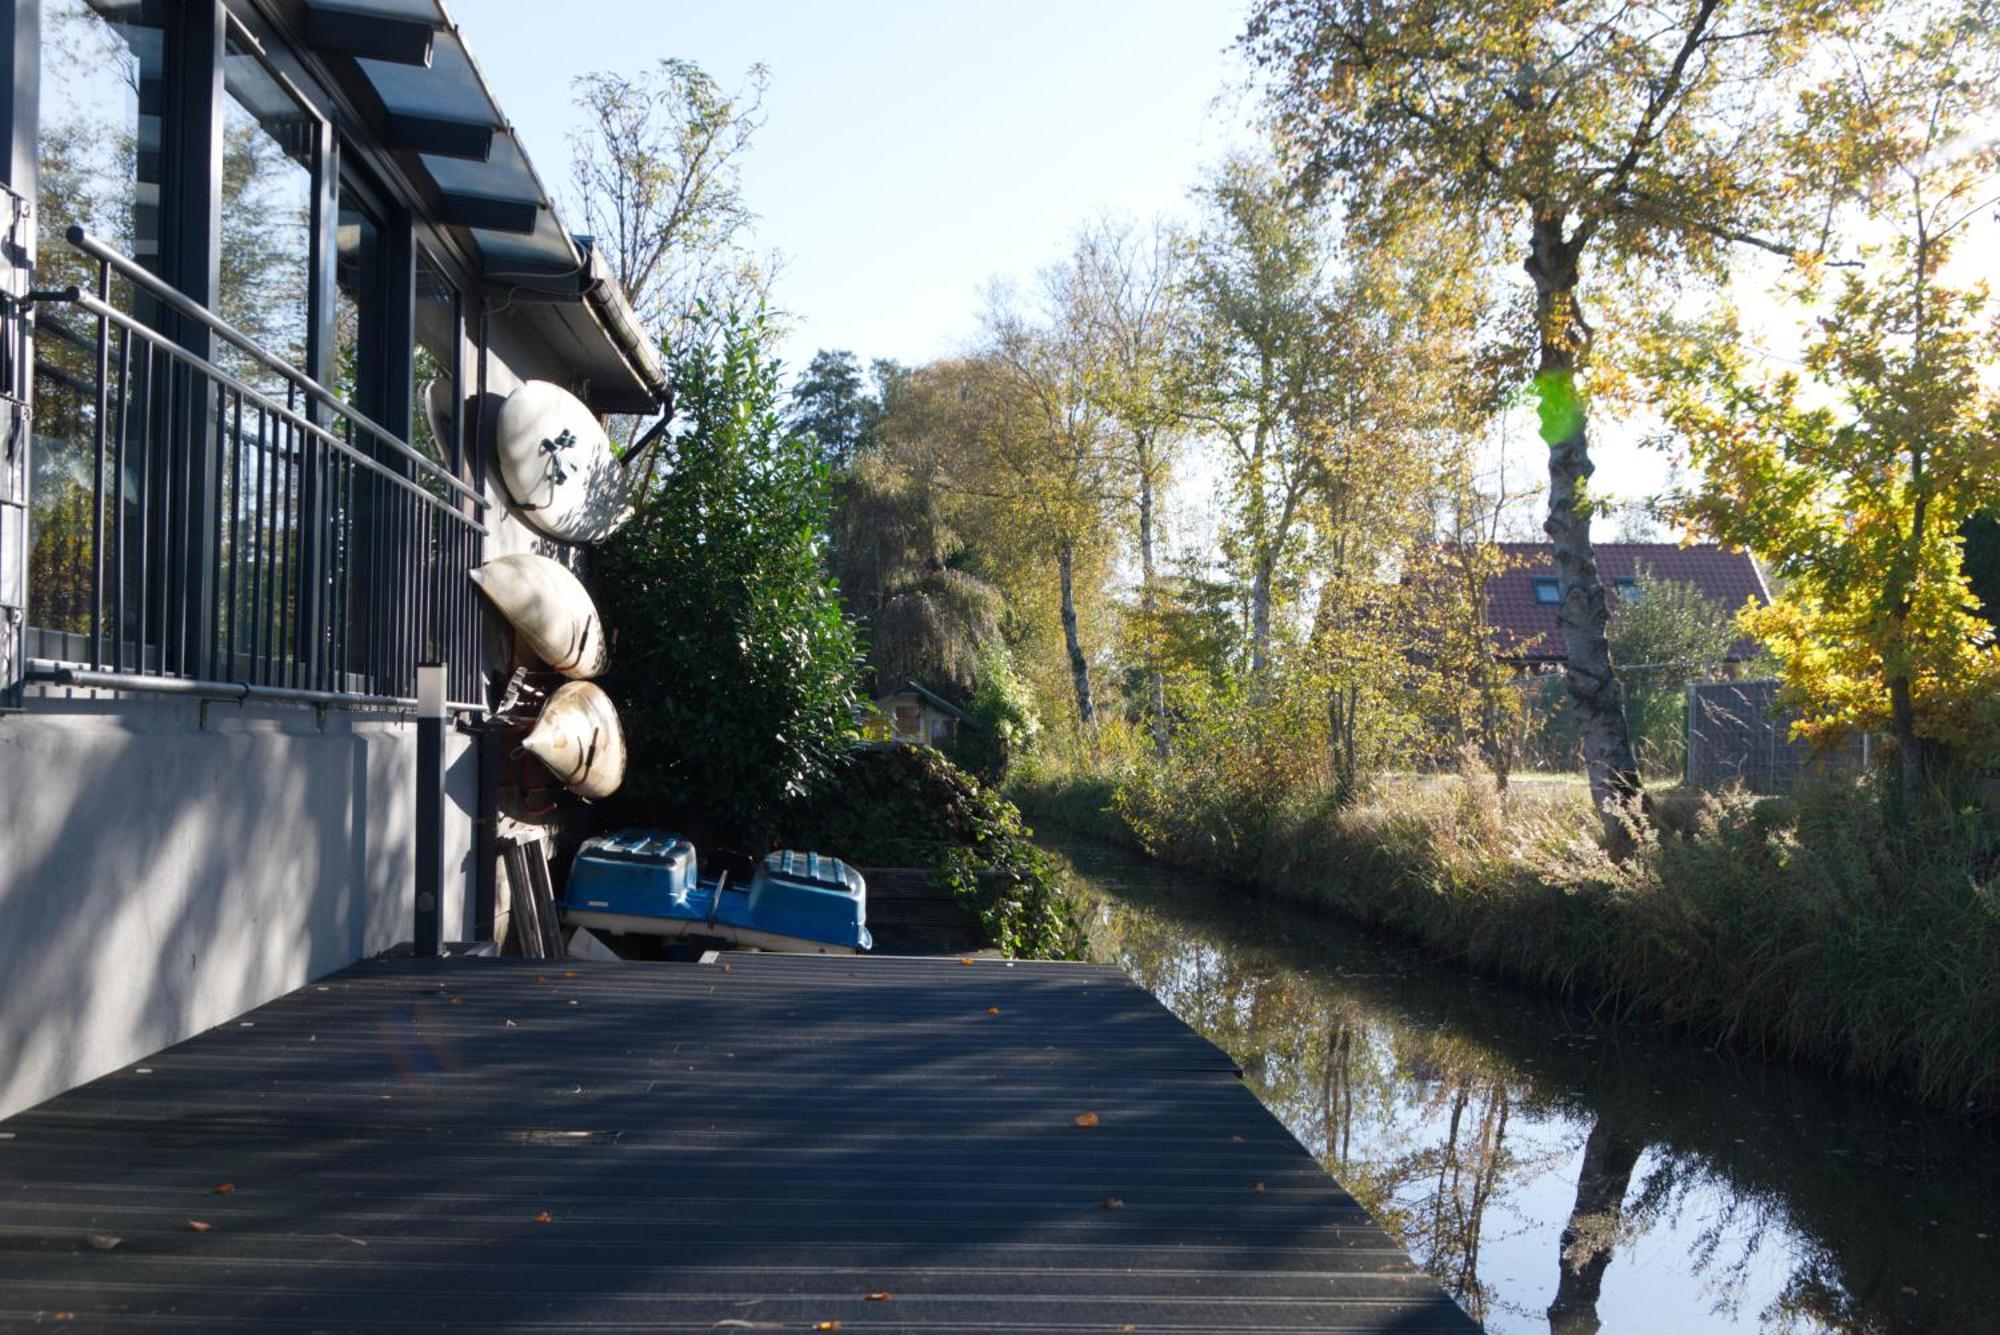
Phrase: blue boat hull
(645, 882)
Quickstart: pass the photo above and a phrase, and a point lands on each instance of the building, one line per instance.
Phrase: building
(916, 713)
(1522, 601)
(273, 265)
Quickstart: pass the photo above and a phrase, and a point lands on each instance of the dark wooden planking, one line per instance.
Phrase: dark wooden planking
(766, 1139)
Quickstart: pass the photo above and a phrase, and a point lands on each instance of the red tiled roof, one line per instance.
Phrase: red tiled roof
(1527, 629)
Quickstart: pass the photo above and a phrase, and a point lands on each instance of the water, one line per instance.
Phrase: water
(1464, 1113)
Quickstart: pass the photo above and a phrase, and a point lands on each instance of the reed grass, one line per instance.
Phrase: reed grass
(1811, 928)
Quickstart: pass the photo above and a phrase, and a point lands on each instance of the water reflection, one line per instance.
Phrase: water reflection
(1558, 1175)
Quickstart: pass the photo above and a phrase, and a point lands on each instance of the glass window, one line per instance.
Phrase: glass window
(1547, 589)
(98, 163)
(269, 148)
(434, 413)
(359, 306)
(1628, 588)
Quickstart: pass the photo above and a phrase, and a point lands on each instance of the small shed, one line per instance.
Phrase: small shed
(913, 712)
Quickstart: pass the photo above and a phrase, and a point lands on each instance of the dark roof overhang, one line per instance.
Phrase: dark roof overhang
(405, 67)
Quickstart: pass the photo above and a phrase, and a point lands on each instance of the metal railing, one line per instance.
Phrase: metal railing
(232, 529)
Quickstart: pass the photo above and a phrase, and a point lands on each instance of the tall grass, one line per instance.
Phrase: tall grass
(1810, 927)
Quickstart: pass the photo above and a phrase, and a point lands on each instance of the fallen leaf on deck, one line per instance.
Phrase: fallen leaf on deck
(62, 1316)
(200, 1225)
(226, 1189)
(458, 1001)
(727, 969)
(543, 1217)
(1257, 1188)
(103, 1242)
(541, 978)
(1236, 1140)
(1086, 1119)
(882, 1297)
(992, 1010)
(826, 1325)
(1112, 1203)
(966, 962)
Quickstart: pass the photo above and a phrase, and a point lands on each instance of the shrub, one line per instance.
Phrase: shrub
(900, 805)
(733, 666)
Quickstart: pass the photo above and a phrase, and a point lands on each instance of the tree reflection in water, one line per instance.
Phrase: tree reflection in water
(1492, 1133)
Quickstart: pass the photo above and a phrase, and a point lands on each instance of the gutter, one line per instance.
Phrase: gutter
(607, 301)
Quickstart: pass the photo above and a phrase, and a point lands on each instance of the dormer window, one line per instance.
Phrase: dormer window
(1548, 590)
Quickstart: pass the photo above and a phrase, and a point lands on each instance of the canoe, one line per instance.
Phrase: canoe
(578, 737)
(550, 608)
(557, 466)
(647, 882)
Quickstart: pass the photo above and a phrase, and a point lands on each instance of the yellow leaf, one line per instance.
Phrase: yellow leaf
(1086, 1119)
(881, 1297)
(542, 1218)
(226, 1189)
(992, 1010)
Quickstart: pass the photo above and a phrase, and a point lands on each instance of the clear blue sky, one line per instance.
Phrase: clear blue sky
(913, 150)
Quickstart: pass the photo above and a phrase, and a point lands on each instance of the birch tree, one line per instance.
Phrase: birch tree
(1129, 279)
(1637, 137)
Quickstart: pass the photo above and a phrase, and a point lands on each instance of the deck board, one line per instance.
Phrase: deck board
(759, 1146)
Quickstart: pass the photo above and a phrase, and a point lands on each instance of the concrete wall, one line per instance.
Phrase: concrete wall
(167, 864)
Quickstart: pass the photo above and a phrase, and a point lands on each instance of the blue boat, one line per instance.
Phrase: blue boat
(647, 882)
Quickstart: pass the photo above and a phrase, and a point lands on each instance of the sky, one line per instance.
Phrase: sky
(913, 151)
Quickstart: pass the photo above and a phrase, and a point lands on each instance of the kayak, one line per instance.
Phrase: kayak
(647, 882)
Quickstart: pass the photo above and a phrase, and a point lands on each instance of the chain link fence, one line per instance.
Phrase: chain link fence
(1736, 733)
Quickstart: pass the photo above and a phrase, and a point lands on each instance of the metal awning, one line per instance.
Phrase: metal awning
(406, 66)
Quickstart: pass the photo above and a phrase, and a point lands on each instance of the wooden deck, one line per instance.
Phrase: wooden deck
(777, 1143)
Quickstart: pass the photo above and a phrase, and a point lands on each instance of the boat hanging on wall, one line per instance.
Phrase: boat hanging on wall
(550, 609)
(646, 882)
(579, 738)
(557, 465)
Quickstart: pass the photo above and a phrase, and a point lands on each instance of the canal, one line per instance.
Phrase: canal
(1489, 1130)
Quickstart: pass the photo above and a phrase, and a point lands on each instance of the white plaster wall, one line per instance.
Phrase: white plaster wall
(166, 865)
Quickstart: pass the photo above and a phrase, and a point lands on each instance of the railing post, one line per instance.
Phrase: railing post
(428, 927)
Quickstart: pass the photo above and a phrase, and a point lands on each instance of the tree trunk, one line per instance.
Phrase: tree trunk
(1148, 603)
(1910, 757)
(1260, 613)
(1594, 688)
(1608, 1161)
(1079, 666)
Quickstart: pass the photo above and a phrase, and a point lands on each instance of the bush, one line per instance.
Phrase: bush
(733, 665)
(899, 805)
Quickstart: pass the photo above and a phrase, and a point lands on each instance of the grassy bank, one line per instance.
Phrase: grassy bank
(1805, 928)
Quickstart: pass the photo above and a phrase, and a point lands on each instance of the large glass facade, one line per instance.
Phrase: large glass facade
(270, 147)
(434, 414)
(98, 160)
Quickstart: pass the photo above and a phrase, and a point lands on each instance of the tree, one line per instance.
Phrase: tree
(1664, 634)
(1857, 474)
(1256, 281)
(1042, 453)
(1132, 283)
(657, 173)
(831, 403)
(1631, 135)
(733, 665)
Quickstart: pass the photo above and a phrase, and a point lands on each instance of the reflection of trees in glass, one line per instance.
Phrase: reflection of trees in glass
(87, 164)
(266, 230)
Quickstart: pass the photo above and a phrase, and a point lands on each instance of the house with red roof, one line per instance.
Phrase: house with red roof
(1522, 601)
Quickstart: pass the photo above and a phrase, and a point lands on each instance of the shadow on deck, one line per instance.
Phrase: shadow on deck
(761, 1143)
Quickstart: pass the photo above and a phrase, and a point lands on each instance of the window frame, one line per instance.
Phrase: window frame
(1547, 584)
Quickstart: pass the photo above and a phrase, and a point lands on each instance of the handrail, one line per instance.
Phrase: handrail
(89, 302)
(49, 672)
(81, 240)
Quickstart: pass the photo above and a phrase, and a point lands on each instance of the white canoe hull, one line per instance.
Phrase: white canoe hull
(579, 738)
(556, 464)
(550, 609)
